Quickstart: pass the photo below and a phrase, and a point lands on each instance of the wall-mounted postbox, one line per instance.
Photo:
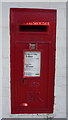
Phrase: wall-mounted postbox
(32, 60)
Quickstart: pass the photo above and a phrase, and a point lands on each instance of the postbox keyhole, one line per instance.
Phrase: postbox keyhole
(33, 46)
(22, 81)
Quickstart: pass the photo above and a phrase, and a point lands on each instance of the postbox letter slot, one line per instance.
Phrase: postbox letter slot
(33, 28)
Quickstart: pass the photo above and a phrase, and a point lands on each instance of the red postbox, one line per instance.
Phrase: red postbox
(32, 60)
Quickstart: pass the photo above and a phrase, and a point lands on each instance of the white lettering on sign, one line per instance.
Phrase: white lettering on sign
(32, 63)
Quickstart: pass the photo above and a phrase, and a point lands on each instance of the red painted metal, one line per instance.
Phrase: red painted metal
(32, 94)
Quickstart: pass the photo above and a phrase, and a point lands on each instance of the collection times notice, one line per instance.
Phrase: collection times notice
(32, 63)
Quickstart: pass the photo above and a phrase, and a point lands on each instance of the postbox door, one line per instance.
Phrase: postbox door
(31, 92)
